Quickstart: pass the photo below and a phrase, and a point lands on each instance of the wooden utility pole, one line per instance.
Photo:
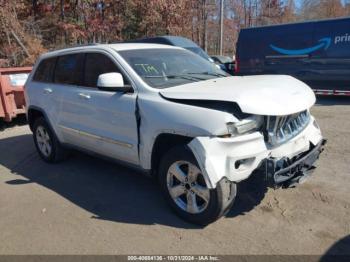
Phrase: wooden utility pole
(221, 26)
(205, 24)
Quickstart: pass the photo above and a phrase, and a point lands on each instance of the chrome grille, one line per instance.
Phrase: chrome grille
(282, 128)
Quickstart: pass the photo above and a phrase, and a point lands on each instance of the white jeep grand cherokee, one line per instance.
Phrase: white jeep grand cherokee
(172, 114)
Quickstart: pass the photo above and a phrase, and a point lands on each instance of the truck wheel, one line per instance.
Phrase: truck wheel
(185, 189)
(46, 143)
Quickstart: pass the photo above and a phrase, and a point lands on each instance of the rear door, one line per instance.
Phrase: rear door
(45, 94)
(100, 121)
(330, 66)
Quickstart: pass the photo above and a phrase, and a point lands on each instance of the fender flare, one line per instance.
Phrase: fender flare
(42, 111)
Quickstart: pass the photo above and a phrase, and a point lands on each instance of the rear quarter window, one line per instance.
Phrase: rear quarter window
(44, 72)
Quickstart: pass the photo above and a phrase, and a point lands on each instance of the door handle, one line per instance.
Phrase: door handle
(84, 96)
(47, 91)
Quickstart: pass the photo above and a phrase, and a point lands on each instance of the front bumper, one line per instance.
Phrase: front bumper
(287, 173)
(237, 157)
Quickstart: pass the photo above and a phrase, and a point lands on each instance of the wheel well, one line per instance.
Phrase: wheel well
(163, 144)
(33, 114)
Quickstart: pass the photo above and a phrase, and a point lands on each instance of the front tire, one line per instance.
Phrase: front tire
(46, 143)
(186, 190)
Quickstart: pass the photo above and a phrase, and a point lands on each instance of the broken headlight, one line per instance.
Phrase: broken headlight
(245, 126)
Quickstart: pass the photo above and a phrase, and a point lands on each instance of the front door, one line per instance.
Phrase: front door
(100, 121)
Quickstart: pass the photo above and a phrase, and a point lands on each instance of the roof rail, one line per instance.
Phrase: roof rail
(72, 46)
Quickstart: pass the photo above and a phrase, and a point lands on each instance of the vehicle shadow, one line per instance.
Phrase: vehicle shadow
(332, 100)
(339, 251)
(105, 189)
(18, 121)
(250, 193)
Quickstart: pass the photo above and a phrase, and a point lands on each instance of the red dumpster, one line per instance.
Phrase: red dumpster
(12, 82)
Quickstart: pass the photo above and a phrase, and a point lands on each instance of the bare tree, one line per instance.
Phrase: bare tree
(320, 9)
(27, 28)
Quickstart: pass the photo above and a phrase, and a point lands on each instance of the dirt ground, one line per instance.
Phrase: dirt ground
(91, 206)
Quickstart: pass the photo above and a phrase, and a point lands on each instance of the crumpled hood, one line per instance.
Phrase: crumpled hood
(259, 95)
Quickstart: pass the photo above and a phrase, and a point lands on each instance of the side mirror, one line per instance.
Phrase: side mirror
(113, 82)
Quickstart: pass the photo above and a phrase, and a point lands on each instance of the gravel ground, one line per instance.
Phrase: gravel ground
(91, 206)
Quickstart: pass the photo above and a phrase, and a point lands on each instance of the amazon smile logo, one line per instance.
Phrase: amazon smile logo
(323, 43)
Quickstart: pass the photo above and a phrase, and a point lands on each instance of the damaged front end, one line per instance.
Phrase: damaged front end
(285, 148)
(286, 172)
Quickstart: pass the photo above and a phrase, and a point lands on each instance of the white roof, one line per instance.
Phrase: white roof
(116, 47)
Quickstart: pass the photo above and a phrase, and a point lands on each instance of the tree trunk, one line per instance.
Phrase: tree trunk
(35, 8)
(62, 9)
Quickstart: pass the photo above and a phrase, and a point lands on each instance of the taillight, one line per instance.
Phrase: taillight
(237, 65)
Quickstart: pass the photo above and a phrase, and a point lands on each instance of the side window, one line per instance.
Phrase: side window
(95, 65)
(69, 69)
(44, 72)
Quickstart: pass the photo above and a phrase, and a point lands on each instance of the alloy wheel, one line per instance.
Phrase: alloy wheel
(187, 187)
(43, 141)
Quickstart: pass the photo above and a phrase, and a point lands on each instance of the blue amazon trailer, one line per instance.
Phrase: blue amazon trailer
(316, 52)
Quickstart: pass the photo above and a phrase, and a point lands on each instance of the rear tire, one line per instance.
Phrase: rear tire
(186, 191)
(46, 142)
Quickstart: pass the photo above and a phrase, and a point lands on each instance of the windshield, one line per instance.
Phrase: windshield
(162, 68)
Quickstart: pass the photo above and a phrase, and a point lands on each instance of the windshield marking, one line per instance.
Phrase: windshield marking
(147, 68)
